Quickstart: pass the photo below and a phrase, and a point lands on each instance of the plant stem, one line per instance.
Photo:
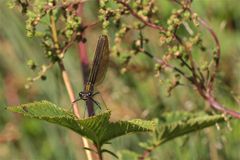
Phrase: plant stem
(66, 79)
(61, 65)
(217, 106)
(99, 152)
(84, 63)
(85, 72)
(69, 88)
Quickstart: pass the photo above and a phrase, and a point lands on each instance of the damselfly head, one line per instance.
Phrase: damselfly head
(85, 95)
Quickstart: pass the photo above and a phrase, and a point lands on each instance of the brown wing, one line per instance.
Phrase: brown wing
(100, 61)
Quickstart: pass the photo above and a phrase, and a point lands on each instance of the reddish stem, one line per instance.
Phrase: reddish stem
(84, 63)
(217, 106)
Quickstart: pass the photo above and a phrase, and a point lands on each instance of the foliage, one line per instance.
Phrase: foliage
(97, 128)
(169, 39)
(176, 128)
(100, 130)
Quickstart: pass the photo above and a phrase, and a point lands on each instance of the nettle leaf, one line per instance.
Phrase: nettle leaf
(116, 129)
(97, 128)
(188, 124)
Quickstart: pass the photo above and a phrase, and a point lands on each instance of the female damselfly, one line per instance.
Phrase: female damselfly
(97, 72)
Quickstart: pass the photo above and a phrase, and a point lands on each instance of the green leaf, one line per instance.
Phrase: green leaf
(97, 128)
(189, 123)
(116, 129)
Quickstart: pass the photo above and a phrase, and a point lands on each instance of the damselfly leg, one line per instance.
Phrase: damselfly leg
(87, 96)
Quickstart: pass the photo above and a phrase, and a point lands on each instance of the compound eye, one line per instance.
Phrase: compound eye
(80, 94)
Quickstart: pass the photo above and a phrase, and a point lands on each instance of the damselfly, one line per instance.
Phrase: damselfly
(98, 71)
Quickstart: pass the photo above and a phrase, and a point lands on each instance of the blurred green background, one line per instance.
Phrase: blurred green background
(136, 94)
